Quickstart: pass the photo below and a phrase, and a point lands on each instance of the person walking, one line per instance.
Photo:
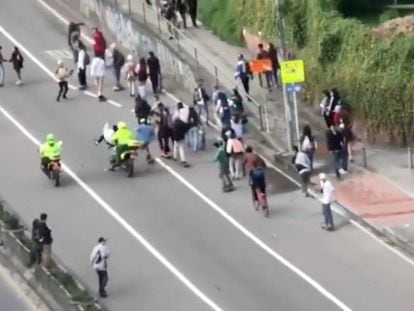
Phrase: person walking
(130, 75)
(99, 259)
(82, 63)
(235, 151)
(274, 60)
(62, 73)
(223, 161)
(334, 144)
(141, 71)
(99, 43)
(118, 62)
(154, 69)
(98, 74)
(163, 120)
(46, 239)
(2, 72)
(308, 144)
(327, 190)
(244, 74)
(302, 164)
(17, 60)
(201, 98)
(142, 108)
(223, 112)
(179, 131)
(36, 250)
(192, 10)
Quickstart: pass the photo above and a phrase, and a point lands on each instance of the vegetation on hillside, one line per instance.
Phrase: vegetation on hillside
(375, 73)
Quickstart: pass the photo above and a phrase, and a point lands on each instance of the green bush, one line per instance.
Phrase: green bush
(388, 15)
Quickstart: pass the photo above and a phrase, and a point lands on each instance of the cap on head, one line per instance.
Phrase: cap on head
(322, 176)
(122, 125)
(101, 239)
(130, 57)
(50, 137)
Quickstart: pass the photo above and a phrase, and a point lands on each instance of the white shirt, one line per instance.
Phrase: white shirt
(182, 114)
(302, 159)
(237, 128)
(97, 67)
(107, 133)
(101, 252)
(81, 59)
(327, 192)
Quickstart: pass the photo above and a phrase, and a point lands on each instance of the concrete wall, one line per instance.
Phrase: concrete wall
(140, 40)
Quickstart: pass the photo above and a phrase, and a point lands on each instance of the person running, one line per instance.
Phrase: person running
(17, 60)
(62, 73)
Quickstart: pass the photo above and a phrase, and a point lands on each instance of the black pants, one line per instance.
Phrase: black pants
(184, 18)
(63, 89)
(103, 281)
(164, 136)
(245, 81)
(155, 83)
(117, 73)
(193, 14)
(82, 77)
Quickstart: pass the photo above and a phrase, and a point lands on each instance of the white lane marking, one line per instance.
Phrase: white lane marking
(256, 240)
(336, 209)
(120, 220)
(44, 68)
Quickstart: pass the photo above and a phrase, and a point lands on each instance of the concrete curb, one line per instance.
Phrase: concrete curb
(16, 257)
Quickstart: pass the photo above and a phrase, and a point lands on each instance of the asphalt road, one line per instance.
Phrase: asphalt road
(204, 236)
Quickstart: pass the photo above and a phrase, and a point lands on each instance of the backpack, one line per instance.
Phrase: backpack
(193, 117)
(87, 59)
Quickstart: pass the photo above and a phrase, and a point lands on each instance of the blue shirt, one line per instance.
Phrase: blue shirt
(145, 133)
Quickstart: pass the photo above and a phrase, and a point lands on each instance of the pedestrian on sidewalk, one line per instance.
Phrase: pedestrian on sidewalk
(62, 74)
(142, 108)
(99, 43)
(223, 161)
(130, 75)
(192, 10)
(235, 151)
(2, 72)
(334, 144)
(99, 259)
(141, 71)
(98, 74)
(274, 60)
(17, 60)
(347, 136)
(308, 144)
(182, 9)
(46, 240)
(302, 164)
(36, 250)
(327, 190)
(154, 69)
(179, 131)
(201, 98)
(244, 74)
(118, 62)
(82, 63)
(262, 55)
(163, 120)
(326, 107)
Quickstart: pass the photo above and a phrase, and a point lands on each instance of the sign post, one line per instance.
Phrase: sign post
(293, 72)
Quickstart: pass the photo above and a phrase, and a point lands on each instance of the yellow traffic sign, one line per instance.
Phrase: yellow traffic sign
(292, 71)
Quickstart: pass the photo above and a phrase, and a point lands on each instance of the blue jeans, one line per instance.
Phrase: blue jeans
(327, 214)
(310, 153)
(195, 139)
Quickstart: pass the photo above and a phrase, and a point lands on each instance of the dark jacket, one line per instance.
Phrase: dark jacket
(142, 108)
(334, 141)
(119, 59)
(45, 234)
(17, 60)
(154, 66)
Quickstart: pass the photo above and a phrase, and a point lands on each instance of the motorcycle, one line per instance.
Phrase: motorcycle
(53, 169)
(126, 159)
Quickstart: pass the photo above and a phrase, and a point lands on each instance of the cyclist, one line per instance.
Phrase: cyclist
(49, 150)
(257, 181)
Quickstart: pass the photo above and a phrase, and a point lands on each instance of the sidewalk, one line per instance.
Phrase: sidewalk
(374, 198)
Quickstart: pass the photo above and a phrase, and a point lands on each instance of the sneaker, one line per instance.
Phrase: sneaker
(116, 88)
(19, 82)
(185, 164)
(101, 98)
(342, 171)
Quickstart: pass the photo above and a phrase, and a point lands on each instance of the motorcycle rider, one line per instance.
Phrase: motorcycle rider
(49, 150)
(121, 138)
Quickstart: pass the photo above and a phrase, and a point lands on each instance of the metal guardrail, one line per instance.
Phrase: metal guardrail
(151, 15)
